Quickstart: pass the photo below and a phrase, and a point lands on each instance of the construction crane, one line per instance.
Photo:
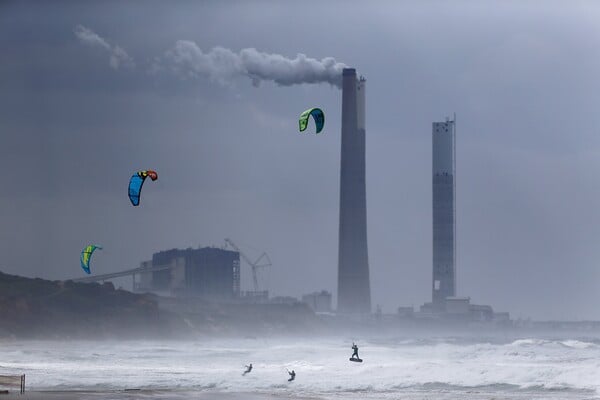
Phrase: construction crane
(264, 258)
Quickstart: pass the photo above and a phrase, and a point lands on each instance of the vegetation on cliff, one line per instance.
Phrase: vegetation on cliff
(38, 308)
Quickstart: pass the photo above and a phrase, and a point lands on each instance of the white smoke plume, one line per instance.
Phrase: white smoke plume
(221, 65)
(118, 56)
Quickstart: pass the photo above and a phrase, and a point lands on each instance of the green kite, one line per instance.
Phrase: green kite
(317, 115)
(86, 255)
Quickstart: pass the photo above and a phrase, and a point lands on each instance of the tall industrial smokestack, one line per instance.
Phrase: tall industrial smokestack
(354, 293)
(444, 212)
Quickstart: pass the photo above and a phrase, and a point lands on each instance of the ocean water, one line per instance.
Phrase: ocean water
(393, 368)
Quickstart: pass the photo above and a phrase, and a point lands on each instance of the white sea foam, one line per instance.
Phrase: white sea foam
(391, 367)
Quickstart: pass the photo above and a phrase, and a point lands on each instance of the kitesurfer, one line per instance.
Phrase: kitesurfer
(248, 369)
(292, 375)
(355, 354)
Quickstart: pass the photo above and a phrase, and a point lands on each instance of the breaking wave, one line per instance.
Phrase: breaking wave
(391, 366)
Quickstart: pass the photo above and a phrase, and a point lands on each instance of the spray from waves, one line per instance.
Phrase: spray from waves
(535, 366)
(223, 65)
(571, 343)
(578, 344)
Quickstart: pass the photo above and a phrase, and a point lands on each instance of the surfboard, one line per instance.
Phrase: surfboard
(356, 359)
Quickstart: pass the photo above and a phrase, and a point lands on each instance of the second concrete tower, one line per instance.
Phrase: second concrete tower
(444, 212)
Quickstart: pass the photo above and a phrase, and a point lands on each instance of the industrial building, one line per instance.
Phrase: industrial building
(354, 293)
(461, 309)
(444, 212)
(208, 273)
(318, 301)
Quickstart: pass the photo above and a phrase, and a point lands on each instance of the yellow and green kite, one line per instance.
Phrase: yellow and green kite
(86, 255)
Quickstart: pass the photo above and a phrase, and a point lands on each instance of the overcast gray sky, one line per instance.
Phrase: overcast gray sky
(89, 93)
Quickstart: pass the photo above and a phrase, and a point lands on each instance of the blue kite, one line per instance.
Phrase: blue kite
(136, 182)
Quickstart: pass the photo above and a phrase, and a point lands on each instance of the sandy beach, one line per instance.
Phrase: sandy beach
(215, 395)
(143, 394)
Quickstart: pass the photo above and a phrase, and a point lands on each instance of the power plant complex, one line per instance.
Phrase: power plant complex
(213, 274)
